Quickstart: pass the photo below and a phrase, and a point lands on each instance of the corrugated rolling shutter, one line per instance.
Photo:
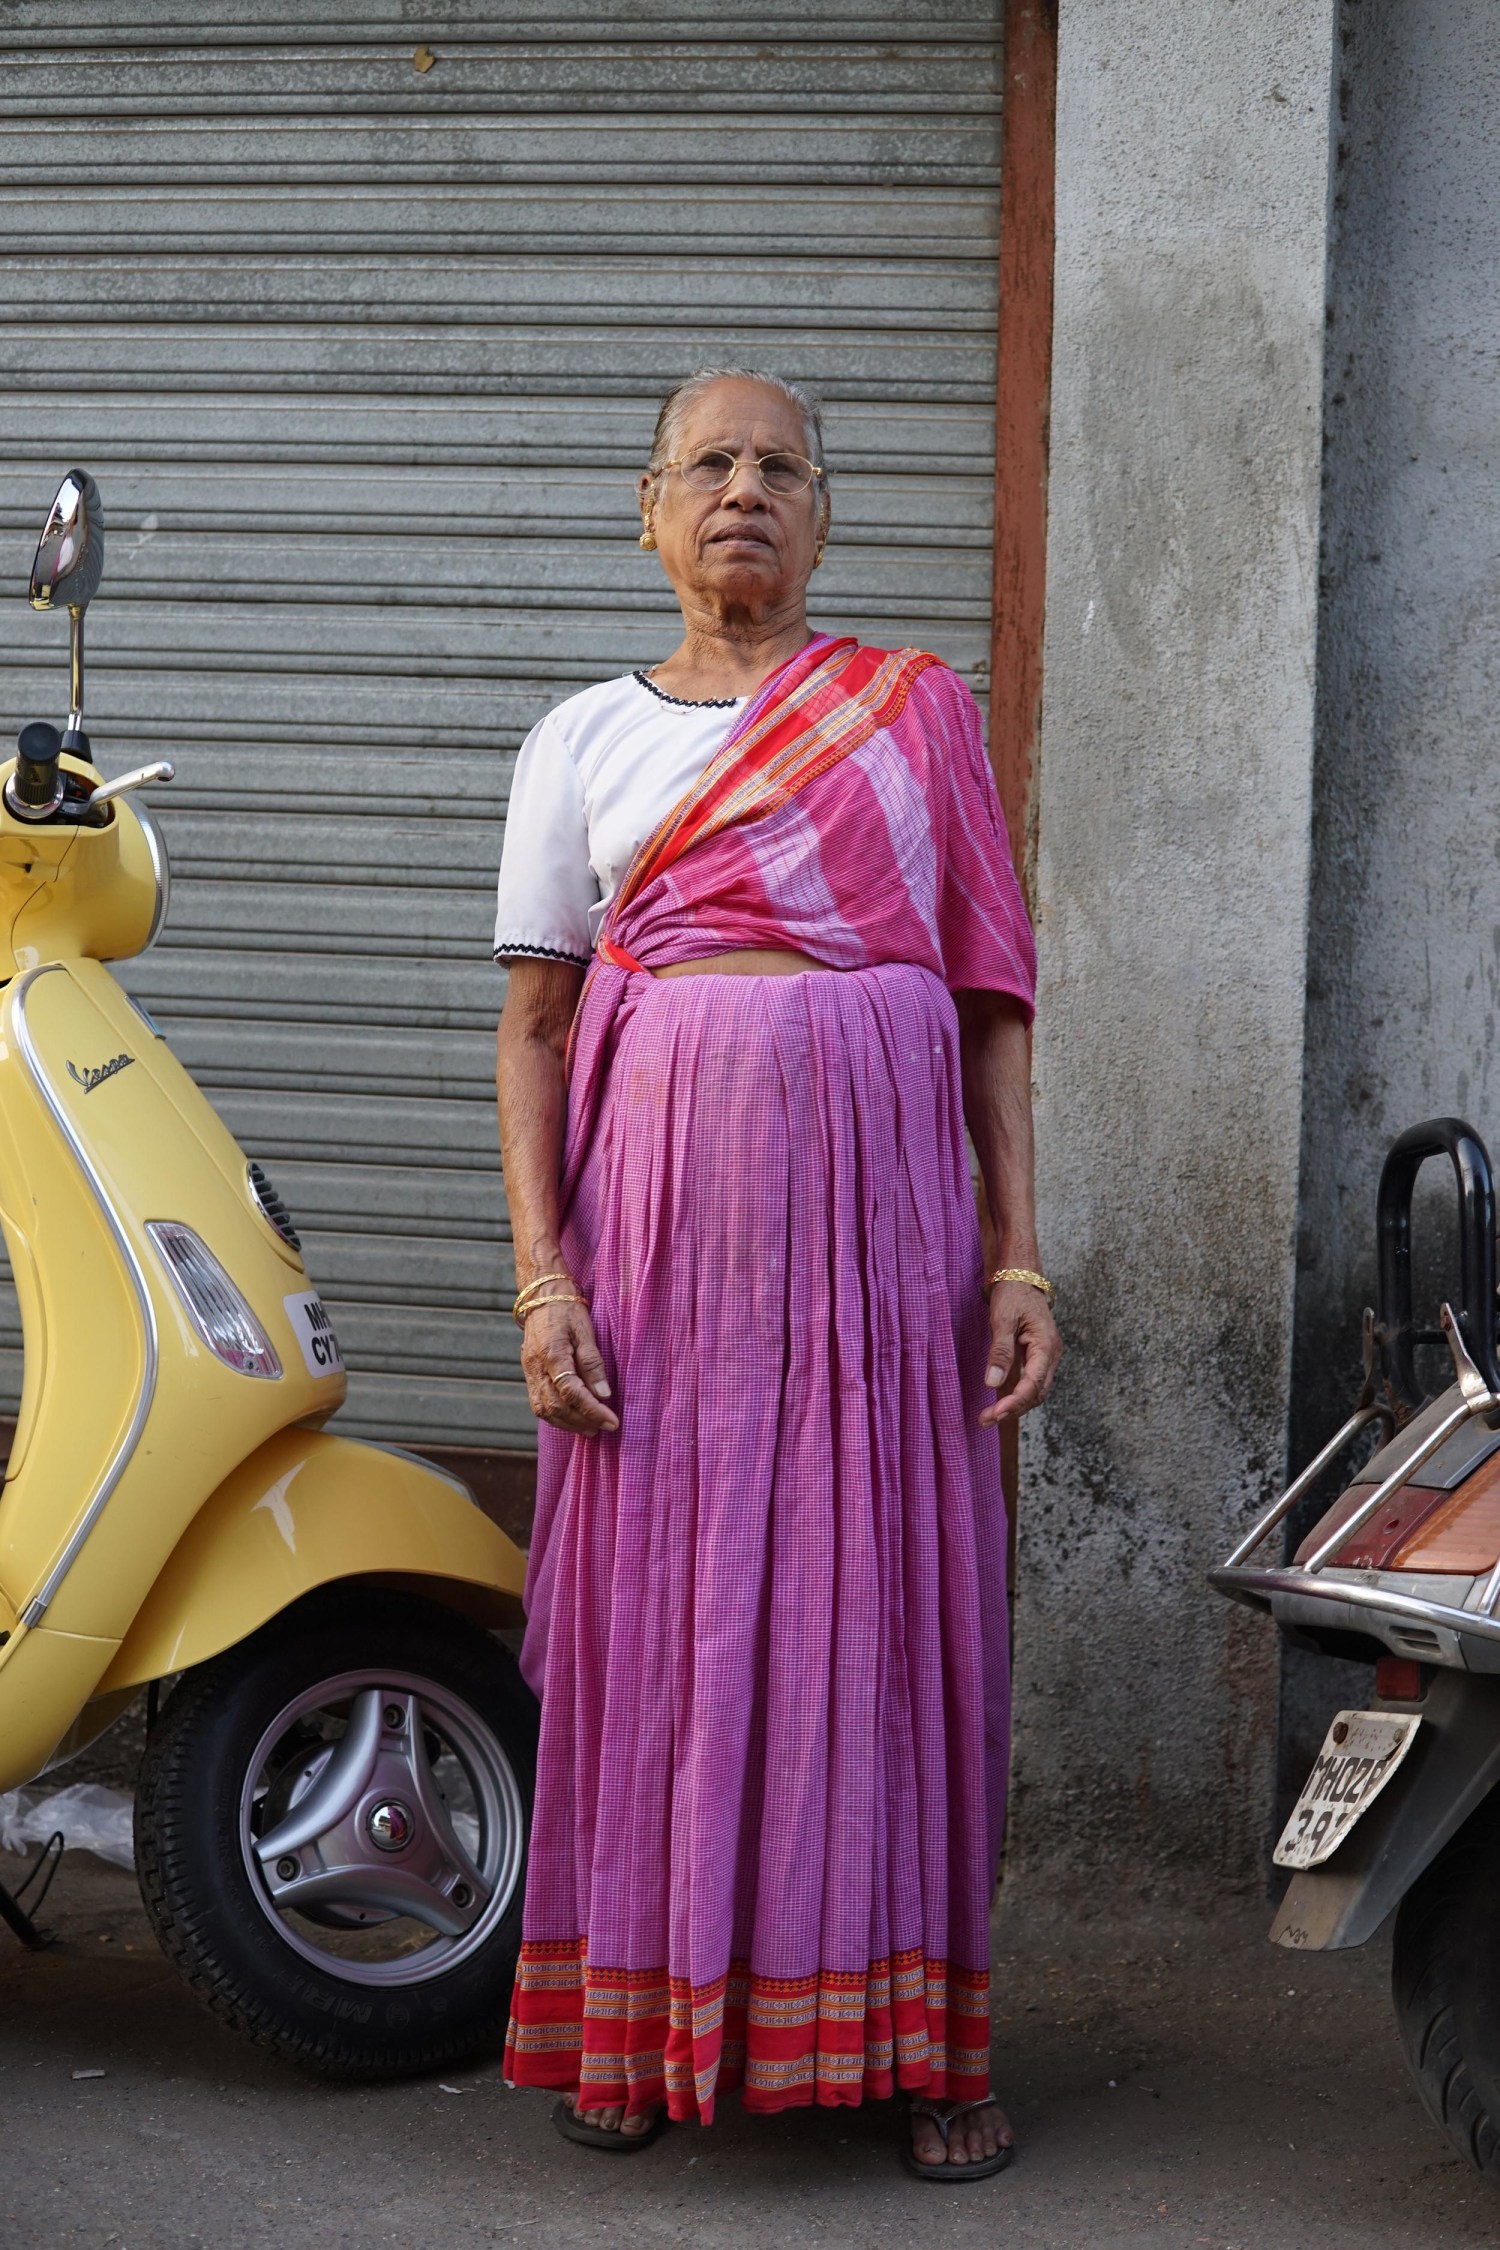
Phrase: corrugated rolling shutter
(366, 359)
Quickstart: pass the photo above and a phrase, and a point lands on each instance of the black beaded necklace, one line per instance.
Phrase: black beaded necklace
(687, 702)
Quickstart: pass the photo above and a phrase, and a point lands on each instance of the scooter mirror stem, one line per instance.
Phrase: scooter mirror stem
(75, 739)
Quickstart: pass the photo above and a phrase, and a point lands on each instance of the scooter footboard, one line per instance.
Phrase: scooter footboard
(304, 1510)
(1453, 1765)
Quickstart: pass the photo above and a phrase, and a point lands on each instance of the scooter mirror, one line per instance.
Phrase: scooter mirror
(70, 553)
(68, 567)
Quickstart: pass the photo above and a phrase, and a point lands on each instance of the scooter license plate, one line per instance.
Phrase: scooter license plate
(1362, 1751)
(314, 1332)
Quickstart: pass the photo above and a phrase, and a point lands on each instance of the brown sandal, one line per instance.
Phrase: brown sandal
(575, 2128)
(942, 2115)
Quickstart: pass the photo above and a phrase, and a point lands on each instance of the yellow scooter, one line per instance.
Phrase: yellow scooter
(332, 1814)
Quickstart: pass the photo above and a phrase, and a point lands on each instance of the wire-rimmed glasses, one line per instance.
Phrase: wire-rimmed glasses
(711, 469)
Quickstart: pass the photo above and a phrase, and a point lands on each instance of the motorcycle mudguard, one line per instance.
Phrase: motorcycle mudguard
(304, 1510)
(1452, 1766)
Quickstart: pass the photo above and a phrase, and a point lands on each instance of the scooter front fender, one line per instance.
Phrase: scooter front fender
(1453, 1765)
(304, 1510)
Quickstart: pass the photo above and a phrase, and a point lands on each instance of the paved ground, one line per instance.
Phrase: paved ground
(1185, 2087)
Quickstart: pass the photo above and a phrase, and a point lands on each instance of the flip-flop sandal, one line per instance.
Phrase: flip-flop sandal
(575, 2128)
(946, 2174)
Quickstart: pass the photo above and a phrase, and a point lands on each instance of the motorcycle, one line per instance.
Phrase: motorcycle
(332, 1812)
(1400, 1812)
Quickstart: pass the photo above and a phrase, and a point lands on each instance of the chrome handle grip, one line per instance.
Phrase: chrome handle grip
(162, 770)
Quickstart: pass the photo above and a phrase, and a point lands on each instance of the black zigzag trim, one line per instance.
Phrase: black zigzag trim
(543, 953)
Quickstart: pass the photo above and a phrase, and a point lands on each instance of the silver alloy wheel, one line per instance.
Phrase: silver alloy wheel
(382, 1828)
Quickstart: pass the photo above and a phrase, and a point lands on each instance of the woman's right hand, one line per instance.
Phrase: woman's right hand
(565, 1378)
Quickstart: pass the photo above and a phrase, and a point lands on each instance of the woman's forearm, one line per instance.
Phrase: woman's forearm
(565, 1379)
(996, 1052)
(531, 1085)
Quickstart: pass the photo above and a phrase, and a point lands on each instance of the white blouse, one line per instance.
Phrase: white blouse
(592, 780)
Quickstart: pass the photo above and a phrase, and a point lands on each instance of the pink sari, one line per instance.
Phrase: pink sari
(767, 1619)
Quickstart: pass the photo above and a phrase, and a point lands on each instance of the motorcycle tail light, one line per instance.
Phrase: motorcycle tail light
(216, 1308)
(1462, 1536)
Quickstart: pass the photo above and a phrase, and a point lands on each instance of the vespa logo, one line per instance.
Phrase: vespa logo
(88, 1079)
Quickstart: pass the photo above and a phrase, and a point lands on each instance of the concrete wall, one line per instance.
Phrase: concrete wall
(1404, 945)
(1176, 790)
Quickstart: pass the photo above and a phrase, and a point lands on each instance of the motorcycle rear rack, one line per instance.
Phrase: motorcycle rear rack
(1390, 1339)
(1256, 1584)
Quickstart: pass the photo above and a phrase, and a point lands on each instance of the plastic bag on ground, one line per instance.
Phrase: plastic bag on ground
(91, 1817)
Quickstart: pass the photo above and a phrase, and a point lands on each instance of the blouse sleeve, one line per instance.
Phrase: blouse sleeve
(984, 931)
(546, 883)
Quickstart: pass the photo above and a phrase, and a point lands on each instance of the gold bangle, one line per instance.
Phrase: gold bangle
(1024, 1274)
(563, 1297)
(523, 1296)
(541, 1282)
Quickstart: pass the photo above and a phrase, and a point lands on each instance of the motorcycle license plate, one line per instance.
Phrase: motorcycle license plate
(1362, 1751)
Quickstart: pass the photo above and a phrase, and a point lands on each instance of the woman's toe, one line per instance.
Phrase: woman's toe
(981, 2134)
(927, 2144)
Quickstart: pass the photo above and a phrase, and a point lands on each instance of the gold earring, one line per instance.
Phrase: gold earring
(818, 557)
(648, 537)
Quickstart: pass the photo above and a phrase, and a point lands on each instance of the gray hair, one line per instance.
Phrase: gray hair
(682, 395)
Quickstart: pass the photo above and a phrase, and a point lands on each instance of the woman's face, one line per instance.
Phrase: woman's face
(741, 548)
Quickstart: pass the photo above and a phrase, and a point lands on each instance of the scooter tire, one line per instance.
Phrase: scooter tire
(191, 1862)
(1445, 1982)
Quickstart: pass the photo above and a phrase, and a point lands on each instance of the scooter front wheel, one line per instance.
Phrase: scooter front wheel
(331, 1833)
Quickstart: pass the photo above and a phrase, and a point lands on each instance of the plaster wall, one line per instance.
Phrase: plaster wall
(1404, 943)
(1175, 806)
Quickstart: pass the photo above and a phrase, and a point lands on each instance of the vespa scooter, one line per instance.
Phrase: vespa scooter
(332, 1813)
(1400, 1812)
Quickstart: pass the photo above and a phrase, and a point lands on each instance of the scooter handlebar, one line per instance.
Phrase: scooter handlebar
(35, 789)
(123, 784)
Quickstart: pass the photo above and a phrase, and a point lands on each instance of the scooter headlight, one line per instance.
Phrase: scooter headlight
(218, 1311)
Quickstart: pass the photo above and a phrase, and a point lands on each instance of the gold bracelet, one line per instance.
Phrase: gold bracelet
(563, 1297)
(1024, 1274)
(518, 1309)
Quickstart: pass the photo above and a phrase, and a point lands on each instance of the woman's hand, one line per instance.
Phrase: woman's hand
(565, 1379)
(1023, 1341)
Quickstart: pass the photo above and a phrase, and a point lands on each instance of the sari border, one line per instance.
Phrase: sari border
(635, 2038)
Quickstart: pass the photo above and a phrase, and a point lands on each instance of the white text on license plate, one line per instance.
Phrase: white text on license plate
(1362, 1751)
(314, 1329)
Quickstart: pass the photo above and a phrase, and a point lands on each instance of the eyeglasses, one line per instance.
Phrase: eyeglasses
(779, 473)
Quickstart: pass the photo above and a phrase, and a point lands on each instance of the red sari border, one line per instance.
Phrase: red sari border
(636, 2038)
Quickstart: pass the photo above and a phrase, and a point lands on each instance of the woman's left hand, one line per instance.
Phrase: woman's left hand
(1024, 1342)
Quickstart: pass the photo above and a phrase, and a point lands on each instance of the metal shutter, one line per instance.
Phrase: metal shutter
(366, 360)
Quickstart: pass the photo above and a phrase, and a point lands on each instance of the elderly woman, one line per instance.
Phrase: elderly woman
(767, 954)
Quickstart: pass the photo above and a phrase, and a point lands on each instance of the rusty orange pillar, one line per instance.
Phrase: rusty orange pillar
(1023, 380)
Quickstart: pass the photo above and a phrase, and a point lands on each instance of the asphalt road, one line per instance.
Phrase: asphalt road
(1177, 2084)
